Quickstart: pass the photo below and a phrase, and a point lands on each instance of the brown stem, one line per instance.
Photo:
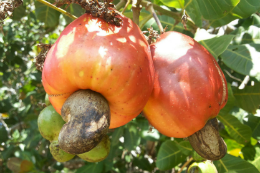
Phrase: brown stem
(175, 15)
(57, 9)
(136, 8)
(126, 5)
(149, 7)
(88, 118)
(185, 164)
(208, 143)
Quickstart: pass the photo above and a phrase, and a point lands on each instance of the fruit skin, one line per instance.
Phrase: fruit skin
(202, 167)
(113, 61)
(189, 87)
(50, 123)
(58, 153)
(99, 153)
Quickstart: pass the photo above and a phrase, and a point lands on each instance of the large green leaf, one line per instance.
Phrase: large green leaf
(244, 59)
(243, 10)
(47, 15)
(234, 164)
(248, 98)
(217, 45)
(256, 160)
(184, 146)
(238, 131)
(216, 9)
(169, 156)
(254, 123)
(193, 10)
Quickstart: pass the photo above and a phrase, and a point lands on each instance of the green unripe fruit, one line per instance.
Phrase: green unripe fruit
(47, 101)
(58, 153)
(99, 153)
(202, 167)
(50, 123)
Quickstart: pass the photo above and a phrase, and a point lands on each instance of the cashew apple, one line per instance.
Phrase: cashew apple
(114, 61)
(189, 87)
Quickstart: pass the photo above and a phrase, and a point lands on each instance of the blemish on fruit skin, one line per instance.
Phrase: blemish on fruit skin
(81, 73)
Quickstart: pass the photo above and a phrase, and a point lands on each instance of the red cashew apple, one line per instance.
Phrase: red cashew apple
(189, 87)
(113, 61)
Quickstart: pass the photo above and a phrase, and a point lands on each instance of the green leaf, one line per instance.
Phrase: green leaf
(174, 3)
(131, 137)
(246, 7)
(169, 156)
(193, 10)
(217, 45)
(143, 164)
(254, 123)
(238, 131)
(231, 145)
(216, 9)
(247, 35)
(248, 98)
(249, 152)
(256, 161)
(234, 164)
(116, 135)
(91, 167)
(45, 14)
(184, 146)
(243, 10)
(74, 9)
(26, 166)
(19, 12)
(243, 59)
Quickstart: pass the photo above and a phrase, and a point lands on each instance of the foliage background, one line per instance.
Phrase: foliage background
(229, 29)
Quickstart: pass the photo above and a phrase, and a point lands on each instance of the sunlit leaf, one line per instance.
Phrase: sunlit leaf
(234, 164)
(238, 131)
(244, 59)
(256, 160)
(217, 45)
(173, 3)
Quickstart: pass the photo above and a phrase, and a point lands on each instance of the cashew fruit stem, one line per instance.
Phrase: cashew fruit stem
(207, 142)
(87, 115)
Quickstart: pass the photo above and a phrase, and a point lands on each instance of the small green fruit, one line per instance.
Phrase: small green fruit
(58, 153)
(47, 101)
(50, 123)
(99, 153)
(202, 167)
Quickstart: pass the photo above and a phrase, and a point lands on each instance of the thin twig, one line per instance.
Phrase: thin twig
(136, 8)
(126, 5)
(185, 164)
(57, 9)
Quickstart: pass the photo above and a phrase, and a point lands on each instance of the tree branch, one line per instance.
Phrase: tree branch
(58, 9)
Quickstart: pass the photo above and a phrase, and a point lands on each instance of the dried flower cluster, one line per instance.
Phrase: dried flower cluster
(42, 55)
(152, 35)
(102, 10)
(7, 7)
